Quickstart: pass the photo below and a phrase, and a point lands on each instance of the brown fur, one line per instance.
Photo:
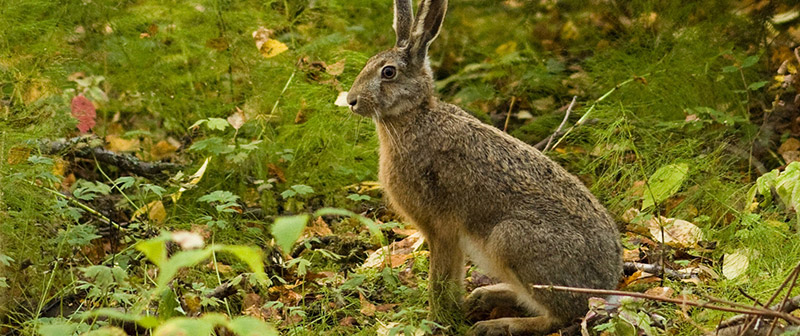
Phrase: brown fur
(473, 189)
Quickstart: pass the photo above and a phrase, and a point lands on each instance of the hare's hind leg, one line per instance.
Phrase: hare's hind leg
(493, 301)
(514, 326)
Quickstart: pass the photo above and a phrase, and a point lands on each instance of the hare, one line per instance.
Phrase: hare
(474, 190)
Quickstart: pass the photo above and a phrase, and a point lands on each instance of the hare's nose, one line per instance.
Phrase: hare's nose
(352, 101)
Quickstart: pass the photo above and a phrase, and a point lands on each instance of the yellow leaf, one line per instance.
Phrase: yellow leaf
(195, 180)
(506, 48)
(155, 212)
(18, 154)
(272, 48)
(118, 144)
(237, 119)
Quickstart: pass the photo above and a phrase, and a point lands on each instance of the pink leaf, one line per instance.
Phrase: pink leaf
(84, 111)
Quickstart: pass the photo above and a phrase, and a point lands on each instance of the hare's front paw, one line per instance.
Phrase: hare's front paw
(538, 325)
(491, 302)
(490, 328)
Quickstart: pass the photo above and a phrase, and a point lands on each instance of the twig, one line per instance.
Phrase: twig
(85, 207)
(749, 320)
(750, 311)
(655, 269)
(508, 115)
(591, 108)
(91, 148)
(560, 126)
(790, 306)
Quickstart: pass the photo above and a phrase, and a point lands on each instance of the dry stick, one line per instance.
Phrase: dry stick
(566, 116)
(749, 310)
(655, 269)
(792, 305)
(783, 303)
(508, 115)
(85, 207)
(591, 108)
(749, 321)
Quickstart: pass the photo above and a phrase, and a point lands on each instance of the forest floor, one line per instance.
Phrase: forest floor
(173, 167)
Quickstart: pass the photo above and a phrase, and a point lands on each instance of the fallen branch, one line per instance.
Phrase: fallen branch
(738, 308)
(560, 126)
(91, 147)
(631, 267)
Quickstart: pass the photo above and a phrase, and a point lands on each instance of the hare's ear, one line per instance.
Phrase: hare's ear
(403, 18)
(426, 28)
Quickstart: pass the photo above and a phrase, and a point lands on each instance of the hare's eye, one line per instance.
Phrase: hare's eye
(388, 72)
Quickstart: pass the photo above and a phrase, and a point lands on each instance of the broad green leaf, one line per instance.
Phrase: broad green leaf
(144, 321)
(217, 123)
(60, 329)
(757, 85)
(106, 331)
(302, 189)
(664, 183)
(251, 326)
(749, 61)
(167, 304)
(729, 68)
(253, 258)
(787, 186)
(181, 259)
(286, 230)
(183, 326)
(154, 249)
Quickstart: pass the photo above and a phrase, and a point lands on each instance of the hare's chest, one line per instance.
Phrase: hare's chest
(415, 188)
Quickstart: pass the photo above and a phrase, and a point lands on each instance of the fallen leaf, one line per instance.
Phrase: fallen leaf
(156, 212)
(188, 240)
(677, 232)
(196, 177)
(237, 119)
(217, 43)
(790, 144)
(341, 100)
(300, 117)
(120, 145)
(18, 154)
(318, 228)
(83, 110)
(335, 69)
(276, 171)
(397, 252)
(266, 45)
(735, 264)
(664, 292)
(367, 308)
(348, 321)
(162, 150)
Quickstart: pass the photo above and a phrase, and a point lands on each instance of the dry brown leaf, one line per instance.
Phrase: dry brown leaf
(317, 228)
(348, 321)
(367, 308)
(300, 117)
(631, 255)
(335, 69)
(677, 232)
(237, 118)
(790, 144)
(664, 292)
(277, 172)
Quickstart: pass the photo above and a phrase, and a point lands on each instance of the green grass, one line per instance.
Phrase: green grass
(168, 64)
